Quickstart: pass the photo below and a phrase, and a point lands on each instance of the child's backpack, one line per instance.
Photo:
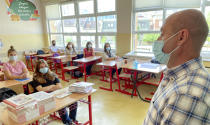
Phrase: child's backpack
(6, 93)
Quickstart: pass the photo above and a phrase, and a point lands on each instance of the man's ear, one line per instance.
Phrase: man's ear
(182, 36)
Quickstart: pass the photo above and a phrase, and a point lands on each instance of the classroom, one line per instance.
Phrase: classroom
(104, 62)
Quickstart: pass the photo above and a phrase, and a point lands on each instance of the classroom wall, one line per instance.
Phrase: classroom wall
(23, 35)
(124, 15)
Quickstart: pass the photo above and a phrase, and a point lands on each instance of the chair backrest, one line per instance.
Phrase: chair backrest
(6, 93)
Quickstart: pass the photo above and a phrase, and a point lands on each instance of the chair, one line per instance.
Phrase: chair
(69, 69)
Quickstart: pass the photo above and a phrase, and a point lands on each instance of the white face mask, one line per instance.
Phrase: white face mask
(89, 46)
(12, 58)
(160, 56)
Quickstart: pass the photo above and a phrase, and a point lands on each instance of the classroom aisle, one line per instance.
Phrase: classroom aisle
(113, 108)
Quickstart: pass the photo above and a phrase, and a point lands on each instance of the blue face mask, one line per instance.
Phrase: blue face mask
(12, 58)
(108, 49)
(43, 70)
(160, 56)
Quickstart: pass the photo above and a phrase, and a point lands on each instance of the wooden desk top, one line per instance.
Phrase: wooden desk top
(63, 56)
(131, 65)
(9, 83)
(88, 59)
(60, 103)
(44, 55)
(30, 54)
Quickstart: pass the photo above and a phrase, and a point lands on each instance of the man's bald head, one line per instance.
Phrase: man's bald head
(192, 20)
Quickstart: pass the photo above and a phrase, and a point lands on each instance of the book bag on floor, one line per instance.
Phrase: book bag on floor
(78, 74)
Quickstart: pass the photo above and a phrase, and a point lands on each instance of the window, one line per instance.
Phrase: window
(87, 24)
(79, 21)
(107, 39)
(69, 25)
(106, 5)
(107, 23)
(85, 39)
(149, 16)
(151, 20)
(72, 39)
(58, 39)
(68, 10)
(144, 41)
(86, 7)
(55, 26)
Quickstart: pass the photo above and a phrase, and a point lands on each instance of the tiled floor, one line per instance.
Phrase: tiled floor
(113, 108)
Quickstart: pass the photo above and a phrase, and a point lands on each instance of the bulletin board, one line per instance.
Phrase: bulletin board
(22, 10)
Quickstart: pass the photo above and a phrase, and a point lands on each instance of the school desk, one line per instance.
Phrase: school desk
(86, 61)
(61, 60)
(110, 65)
(12, 83)
(60, 104)
(44, 56)
(137, 67)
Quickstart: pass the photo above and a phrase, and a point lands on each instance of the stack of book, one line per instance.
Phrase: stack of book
(22, 108)
(81, 87)
(44, 100)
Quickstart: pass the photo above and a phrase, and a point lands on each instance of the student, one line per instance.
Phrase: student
(70, 49)
(14, 69)
(45, 80)
(110, 56)
(54, 48)
(88, 51)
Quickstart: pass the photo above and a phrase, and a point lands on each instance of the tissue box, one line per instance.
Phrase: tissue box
(44, 100)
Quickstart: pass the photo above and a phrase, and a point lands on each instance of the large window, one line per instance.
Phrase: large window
(150, 15)
(80, 21)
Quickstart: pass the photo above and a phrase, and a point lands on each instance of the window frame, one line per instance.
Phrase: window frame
(203, 5)
(77, 16)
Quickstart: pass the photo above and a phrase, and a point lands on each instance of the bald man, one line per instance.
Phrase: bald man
(183, 96)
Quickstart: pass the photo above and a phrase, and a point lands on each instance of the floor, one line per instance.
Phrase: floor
(112, 108)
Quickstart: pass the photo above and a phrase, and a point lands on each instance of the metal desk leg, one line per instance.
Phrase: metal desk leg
(90, 109)
(118, 79)
(84, 65)
(135, 88)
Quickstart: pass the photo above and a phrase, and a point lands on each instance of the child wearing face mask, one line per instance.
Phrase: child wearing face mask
(70, 49)
(14, 69)
(108, 56)
(53, 47)
(45, 80)
(88, 51)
